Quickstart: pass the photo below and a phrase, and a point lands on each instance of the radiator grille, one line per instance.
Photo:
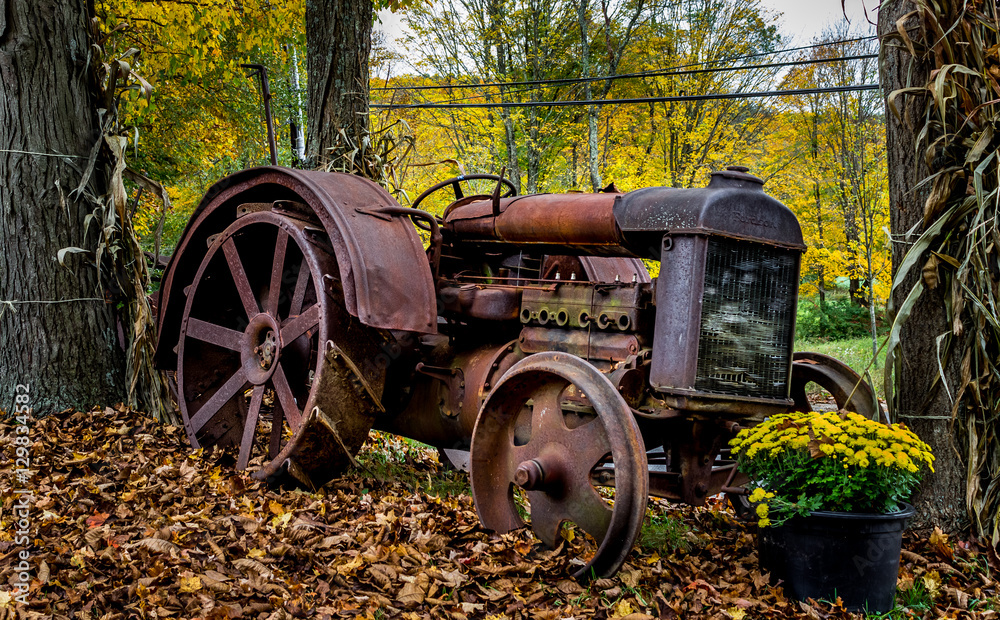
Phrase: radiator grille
(748, 311)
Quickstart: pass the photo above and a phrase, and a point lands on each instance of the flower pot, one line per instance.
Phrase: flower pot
(828, 554)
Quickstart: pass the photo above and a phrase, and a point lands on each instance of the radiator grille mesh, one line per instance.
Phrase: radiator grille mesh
(748, 309)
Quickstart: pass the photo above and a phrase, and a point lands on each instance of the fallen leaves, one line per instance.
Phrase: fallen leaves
(129, 521)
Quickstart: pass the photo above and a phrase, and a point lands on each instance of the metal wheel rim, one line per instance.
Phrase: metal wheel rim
(495, 459)
(835, 377)
(309, 321)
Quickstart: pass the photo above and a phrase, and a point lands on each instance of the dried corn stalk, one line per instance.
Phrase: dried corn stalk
(960, 247)
(118, 255)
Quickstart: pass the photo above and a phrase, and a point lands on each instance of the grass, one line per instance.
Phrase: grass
(664, 534)
(412, 463)
(914, 601)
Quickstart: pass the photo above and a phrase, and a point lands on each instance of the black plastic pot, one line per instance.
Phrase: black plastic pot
(828, 554)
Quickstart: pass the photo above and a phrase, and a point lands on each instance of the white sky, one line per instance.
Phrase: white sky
(800, 20)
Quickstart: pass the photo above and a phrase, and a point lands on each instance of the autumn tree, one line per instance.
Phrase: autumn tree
(501, 41)
(837, 183)
(204, 119)
(688, 139)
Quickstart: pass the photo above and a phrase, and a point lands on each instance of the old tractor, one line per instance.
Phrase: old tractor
(302, 309)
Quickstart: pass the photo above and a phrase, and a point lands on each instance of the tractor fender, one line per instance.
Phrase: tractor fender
(383, 268)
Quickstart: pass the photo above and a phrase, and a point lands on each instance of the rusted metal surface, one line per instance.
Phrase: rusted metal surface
(725, 321)
(386, 276)
(258, 322)
(614, 269)
(573, 223)
(483, 302)
(260, 71)
(266, 337)
(588, 345)
(456, 186)
(849, 390)
(612, 307)
(529, 331)
(524, 437)
(733, 205)
(446, 396)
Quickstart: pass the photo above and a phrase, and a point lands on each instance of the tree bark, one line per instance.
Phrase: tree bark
(926, 410)
(338, 42)
(54, 336)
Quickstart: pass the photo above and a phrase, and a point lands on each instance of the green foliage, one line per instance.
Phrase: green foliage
(801, 462)
(664, 534)
(390, 457)
(204, 119)
(670, 144)
(837, 319)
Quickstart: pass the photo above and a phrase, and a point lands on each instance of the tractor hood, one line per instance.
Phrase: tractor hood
(633, 224)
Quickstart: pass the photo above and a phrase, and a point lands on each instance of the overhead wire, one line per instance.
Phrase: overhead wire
(678, 70)
(574, 82)
(630, 100)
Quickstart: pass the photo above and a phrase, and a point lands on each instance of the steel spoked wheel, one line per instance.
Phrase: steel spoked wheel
(556, 429)
(250, 343)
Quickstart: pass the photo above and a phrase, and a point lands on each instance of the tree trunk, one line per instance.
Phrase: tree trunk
(338, 42)
(592, 114)
(821, 275)
(941, 498)
(814, 156)
(57, 335)
(509, 132)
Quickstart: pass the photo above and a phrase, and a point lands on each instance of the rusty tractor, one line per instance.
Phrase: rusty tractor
(302, 309)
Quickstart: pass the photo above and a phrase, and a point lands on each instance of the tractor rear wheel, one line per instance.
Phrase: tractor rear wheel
(266, 361)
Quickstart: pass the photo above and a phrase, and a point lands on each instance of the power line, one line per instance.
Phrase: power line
(576, 81)
(600, 102)
(659, 72)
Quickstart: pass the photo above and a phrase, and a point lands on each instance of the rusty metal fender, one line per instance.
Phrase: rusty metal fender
(385, 273)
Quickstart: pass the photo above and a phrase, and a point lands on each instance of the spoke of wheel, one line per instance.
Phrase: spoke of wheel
(546, 517)
(277, 268)
(220, 398)
(277, 421)
(300, 325)
(590, 443)
(459, 194)
(240, 278)
(589, 510)
(214, 334)
(250, 427)
(301, 283)
(285, 397)
(546, 410)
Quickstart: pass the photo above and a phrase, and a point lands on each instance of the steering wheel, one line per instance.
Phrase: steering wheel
(455, 182)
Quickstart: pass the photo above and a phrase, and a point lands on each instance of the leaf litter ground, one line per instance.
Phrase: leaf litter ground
(127, 521)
